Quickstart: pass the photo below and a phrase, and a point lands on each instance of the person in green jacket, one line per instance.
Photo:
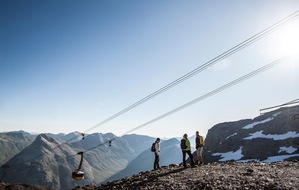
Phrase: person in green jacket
(186, 149)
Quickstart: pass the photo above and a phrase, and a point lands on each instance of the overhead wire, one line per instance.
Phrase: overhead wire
(194, 101)
(285, 104)
(207, 95)
(199, 69)
(206, 65)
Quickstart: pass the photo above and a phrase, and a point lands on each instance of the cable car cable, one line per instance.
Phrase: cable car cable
(220, 57)
(285, 104)
(207, 95)
(206, 65)
(216, 91)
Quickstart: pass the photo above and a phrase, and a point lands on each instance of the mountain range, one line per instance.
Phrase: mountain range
(49, 159)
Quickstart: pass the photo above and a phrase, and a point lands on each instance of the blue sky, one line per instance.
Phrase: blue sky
(68, 65)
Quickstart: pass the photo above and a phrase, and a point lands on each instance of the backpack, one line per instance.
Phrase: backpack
(183, 144)
(202, 142)
(153, 148)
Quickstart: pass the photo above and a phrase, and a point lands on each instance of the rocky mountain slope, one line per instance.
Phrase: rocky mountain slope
(50, 162)
(12, 143)
(225, 176)
(229, 175)
(271, 137)
(44, 163)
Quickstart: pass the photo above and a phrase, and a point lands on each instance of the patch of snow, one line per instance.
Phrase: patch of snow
(250, 126)
(276, 114)
(231, 136)
(288, 150)
(230, 155)
(259, 134)
(279, 158)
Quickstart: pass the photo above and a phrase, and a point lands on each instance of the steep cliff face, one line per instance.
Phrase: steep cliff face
(271, 137)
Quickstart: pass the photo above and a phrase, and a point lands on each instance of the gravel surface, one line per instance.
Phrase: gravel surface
(231, 175)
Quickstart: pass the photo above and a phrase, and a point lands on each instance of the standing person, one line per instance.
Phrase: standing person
(199, 142)
(186, 149)
(157, 154)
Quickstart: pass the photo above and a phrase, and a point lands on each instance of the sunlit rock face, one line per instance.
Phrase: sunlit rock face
(271, 137)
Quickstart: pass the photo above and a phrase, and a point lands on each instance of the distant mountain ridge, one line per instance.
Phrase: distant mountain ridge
(12, 143)
(43, 164)
(50, 162)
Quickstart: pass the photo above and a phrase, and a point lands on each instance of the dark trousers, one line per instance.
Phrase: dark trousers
(190, 156)
(156, 163)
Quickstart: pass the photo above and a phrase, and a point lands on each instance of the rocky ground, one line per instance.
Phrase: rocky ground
(230, 175)
(4, 186)
(280, 175)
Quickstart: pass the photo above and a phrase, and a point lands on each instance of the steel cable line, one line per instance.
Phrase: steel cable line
(207, 95)
(216, 91)
(285, 104)
(206, 65)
